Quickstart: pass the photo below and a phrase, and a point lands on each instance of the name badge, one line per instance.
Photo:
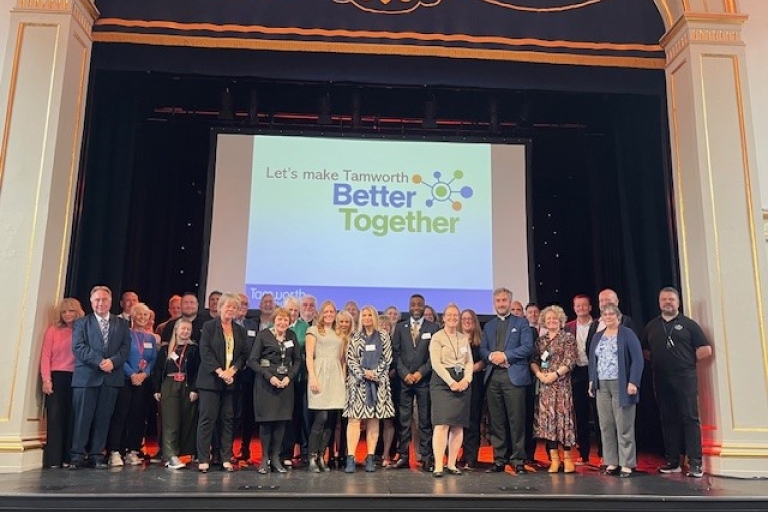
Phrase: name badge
(264, 363)
(288, 344)
(148, 345)
(463, 350)
(251, 332)
(370, 348)
(545, 355)
(174, 356)
(426, 336)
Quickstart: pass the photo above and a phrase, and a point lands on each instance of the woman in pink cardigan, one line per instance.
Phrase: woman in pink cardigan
(56, 366)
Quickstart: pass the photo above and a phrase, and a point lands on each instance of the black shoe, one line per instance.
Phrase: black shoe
(520, 469)
(496, 468)
(427, 465)
(437, 474)
(695, 471)
(99, 465)
(263, 468)
(612, 472)
(469, 466)
(669, 468)
(75, 464)
(626, 474)
(400, 464)
(453, 471)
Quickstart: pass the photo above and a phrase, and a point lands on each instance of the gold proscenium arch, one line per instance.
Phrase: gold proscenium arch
(673, 10)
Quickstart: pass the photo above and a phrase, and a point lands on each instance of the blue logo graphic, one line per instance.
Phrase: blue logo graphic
(442, 191)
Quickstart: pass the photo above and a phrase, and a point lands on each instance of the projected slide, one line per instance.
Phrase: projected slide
(367, 220)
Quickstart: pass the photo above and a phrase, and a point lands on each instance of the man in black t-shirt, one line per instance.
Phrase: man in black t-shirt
(675, 343)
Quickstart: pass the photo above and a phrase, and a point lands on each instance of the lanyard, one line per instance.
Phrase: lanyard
(139, 345)
(178, 362)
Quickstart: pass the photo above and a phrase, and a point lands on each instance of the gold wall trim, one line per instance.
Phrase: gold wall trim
(377, 34)
(765, 225)
(9, 101)
(379, 49)
(20, 445)
(43, 5)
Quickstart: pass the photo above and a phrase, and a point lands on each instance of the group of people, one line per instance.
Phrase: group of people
(313, 378)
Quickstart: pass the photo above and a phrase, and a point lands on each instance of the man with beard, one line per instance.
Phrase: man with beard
(266, 309)
(507, 346)
(410, 343)
(189, 312)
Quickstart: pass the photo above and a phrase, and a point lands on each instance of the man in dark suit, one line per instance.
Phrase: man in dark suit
(101, 343)
(244, 421)
(580, 327)
(410, 342)
(506, 346)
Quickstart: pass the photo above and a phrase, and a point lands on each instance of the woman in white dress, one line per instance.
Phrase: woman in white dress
(326, 387)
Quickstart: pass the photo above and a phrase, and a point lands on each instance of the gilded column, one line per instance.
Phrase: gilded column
(719, 226)
(42, 103)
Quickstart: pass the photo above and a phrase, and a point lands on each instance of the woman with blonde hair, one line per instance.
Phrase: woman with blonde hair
(129, 420)
(175, 389)
(326, 384)
(369, 397)
(57, 363)
(451, 360)
(553, 359)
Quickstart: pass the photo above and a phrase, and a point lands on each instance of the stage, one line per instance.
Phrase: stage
(153, 487)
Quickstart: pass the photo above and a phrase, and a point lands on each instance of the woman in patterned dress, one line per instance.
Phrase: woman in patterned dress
(369, 396)
(554, 355)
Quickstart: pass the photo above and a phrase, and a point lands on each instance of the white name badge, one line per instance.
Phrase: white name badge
(288, 344)
(545, 355)
(370, 348)
(462, 350)
(426, 336)
(174, 356)
(251, 332)
(148, 344)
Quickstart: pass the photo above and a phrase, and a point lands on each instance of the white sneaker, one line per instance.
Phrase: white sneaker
(174, 463)
(132, 458)
(115, 460)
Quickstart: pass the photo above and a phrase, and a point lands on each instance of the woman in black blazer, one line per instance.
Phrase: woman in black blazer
(223, 352)
(276, 360)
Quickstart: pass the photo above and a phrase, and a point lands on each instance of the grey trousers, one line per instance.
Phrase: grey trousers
(617, 427)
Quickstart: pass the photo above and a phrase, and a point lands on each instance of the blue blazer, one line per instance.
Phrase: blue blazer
(518, 347)
(88, 347)
(630, 355)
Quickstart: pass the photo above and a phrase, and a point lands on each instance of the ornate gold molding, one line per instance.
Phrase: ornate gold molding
(12, 444)
(702, 28)
(83, 11)
(765, 224)
(43, 5)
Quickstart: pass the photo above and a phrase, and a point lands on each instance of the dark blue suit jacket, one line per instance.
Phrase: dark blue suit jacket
(88, 347)
(518, 347)
(409, 359)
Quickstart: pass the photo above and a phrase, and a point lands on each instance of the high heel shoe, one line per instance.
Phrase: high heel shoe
(263, 468)
(277, 467)
(312, 465)
(370, 465)
(321, 464)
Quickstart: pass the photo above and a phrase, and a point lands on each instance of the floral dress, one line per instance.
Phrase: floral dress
(554, 417)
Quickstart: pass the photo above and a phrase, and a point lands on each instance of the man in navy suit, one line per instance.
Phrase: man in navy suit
(410, 343)
(101, 343)
(506, 346)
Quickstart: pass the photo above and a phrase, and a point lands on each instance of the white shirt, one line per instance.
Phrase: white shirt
(582, 331)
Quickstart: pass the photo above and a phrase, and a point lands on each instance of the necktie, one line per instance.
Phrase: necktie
(104, 330)
(415, 333)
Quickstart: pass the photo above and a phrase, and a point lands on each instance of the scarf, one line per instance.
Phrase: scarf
(371, 362)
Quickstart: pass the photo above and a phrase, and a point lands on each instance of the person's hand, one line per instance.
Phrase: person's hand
(106, 365)
(417, 376)
(631, 389)
(274, 381)
(314, 387)
(455, 386)
(157, 397)
(408, 379)
(590, 391)
(193, 396)
(284, 383)
(47, 387)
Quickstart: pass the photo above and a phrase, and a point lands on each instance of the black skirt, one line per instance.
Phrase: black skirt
(449, 407)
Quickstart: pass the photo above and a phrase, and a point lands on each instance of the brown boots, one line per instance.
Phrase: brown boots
(555, 466)
(568, 464)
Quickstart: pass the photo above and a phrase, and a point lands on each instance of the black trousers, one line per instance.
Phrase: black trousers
(215, 406)
(581, 409)
(678, 399)
(129, 419)
(92, 408)
(297, 430)
(506, 411)
(323, 426)
(471, 445)
(531, 403)
(58, 409)
(421, 393)
(244, 418)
